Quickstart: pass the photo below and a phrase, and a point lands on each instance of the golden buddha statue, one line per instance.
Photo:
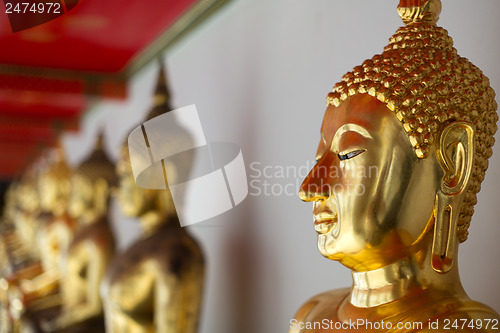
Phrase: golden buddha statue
(57, 227)
(26, 219)
(18, 227)
(10, 258)
(23, 213)
(18, 256)
(13, 252)
(92, 248)
(156, 284)
(34, 291)
(404, 147)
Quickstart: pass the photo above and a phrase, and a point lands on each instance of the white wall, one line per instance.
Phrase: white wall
(259, 72)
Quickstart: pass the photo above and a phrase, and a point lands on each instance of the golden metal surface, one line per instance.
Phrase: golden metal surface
(19, 225)
(31, 282)
(54, 233)
(92, 248)
(416, 11)
(405, 143)
(156, 284)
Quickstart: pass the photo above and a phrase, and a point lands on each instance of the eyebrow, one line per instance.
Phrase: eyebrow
(348, 128)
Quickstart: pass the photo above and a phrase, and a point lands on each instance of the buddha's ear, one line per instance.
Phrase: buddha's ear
(101, 191)
(455, 154)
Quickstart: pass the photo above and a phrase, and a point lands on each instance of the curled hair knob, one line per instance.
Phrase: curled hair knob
(419, 11)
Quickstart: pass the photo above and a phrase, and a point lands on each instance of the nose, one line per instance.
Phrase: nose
(318, 183)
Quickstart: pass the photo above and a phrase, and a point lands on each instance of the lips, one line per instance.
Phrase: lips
(324, 223)
(325, 216)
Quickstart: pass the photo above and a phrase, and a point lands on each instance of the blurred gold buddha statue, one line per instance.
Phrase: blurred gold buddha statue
(26, 220)
(20, 224)
(156, 284)
(14, 251)
(19, 258)
(404, 147)
(57, 228)
(92, 248)
(34, 296)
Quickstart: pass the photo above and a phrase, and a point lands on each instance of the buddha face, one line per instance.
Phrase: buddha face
(55, 192)
(81, 196)
(372, 197)
(134, 200)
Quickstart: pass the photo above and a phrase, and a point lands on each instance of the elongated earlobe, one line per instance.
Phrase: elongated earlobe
(456, 156)
(445, 233)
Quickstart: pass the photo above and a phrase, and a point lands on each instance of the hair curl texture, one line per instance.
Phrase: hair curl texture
(422, 79)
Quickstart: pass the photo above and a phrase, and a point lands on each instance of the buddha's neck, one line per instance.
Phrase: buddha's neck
(151, 222)
(383, 285)
(395, 281)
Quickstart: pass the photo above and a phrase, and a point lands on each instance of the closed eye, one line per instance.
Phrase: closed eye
(351, 154)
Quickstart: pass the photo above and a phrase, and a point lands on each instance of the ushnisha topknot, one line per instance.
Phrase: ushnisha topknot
(98, 165)
(422, 79)
(54, 164)
(161, 96)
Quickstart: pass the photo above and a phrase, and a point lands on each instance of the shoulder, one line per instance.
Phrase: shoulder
(174, 240)
(465, 316)
(318, 308)
(178, 251)
(97, 234)
(167, 250)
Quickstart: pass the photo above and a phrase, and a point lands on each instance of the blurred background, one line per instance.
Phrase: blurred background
(258, 72)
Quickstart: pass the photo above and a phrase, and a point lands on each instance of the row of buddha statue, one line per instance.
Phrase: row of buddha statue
(59, 269)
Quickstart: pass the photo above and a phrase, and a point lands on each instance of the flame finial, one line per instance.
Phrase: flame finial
(419, 11)
(161, 99)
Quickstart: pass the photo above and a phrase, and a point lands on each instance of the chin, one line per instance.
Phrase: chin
(335, 253)
(325, 251)
(336, 256)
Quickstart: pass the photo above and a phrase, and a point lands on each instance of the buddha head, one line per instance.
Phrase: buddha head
(91, 184)
(404, 147)
(54, 182)
(134, 200)
(29, 198)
